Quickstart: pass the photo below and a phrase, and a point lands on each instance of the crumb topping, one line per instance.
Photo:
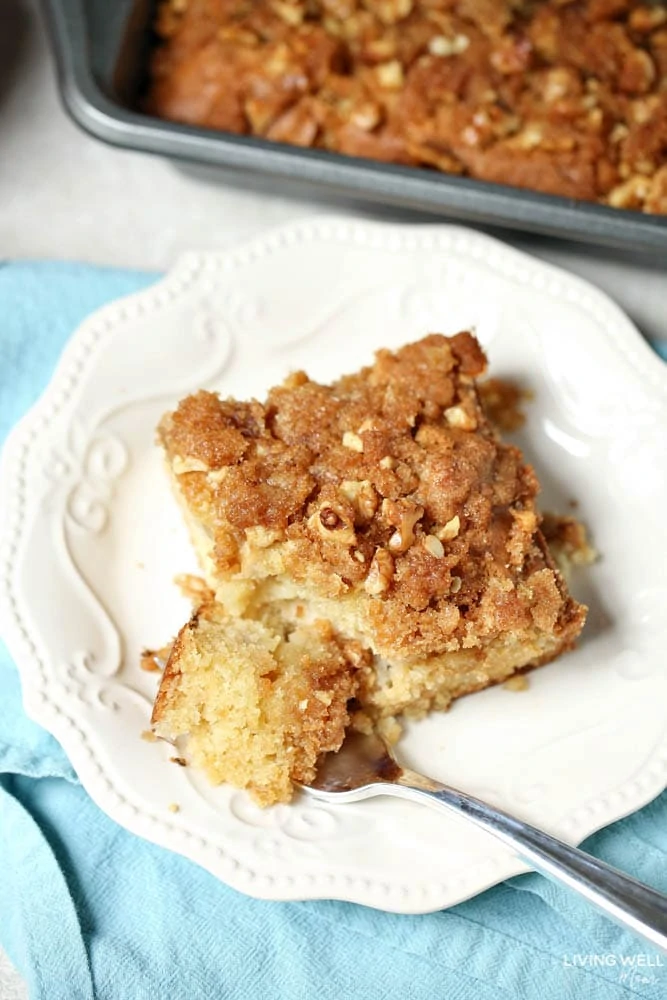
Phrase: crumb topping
(565, 97)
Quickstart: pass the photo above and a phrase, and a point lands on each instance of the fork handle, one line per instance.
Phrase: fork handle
(630, 903)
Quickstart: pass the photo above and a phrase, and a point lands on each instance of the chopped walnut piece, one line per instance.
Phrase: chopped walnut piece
(366, 116)
(390, 11)
(656, 200)
(433, 546)
(390, 75)
(362, 495)
(352, 441)
(402, 515)
(457, 416)
(449, 530)
(440, 45)
(647, 17)
(380, 574)
(631, 194)
(290, 13)
(332, 527)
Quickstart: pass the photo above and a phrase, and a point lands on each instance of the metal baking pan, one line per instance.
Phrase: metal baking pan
(102, 51)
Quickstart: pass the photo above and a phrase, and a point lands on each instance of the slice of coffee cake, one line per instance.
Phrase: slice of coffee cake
(384, 504)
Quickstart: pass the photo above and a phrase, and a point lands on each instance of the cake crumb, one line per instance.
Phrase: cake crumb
(153, 661)
(174, 807)
(502, 400)
(568, 540)
(193, 588)
(181, 761)
(517, 683)
(149, 736)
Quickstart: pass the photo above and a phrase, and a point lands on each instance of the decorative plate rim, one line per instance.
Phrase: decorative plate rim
(46, 704)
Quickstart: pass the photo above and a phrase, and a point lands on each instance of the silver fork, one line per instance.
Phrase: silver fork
(364, 767)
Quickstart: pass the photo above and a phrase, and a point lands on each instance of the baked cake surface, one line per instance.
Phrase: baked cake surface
(385, 505)
(561, 96)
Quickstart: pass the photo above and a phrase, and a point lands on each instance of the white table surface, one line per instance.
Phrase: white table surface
(67, 196)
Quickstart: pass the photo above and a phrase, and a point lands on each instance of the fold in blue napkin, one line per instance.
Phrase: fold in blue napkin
(89, 910)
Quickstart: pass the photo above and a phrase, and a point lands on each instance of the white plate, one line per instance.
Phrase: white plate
(92, 540)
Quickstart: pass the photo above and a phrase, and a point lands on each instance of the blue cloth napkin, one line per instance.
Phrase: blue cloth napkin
(89, 910)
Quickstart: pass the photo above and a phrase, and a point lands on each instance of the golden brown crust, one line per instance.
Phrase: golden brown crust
(171, 674)
(561, 96)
